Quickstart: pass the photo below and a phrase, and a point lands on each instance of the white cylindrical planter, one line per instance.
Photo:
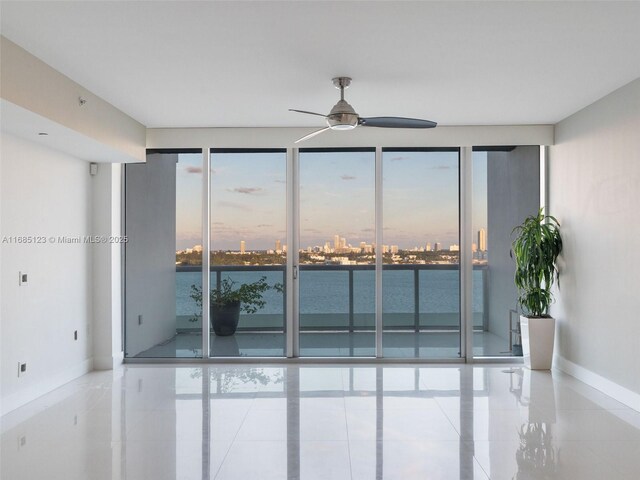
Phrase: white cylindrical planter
(537, 342)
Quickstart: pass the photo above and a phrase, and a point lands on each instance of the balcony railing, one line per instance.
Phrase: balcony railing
(411, 318)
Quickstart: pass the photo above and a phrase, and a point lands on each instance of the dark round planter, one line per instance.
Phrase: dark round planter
(224, 319)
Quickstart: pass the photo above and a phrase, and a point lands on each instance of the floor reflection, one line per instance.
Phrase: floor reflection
(536, 456)
(324, 422)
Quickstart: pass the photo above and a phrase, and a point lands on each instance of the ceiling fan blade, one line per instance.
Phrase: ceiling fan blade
(309, 113)
(312, 134)
(396, 122)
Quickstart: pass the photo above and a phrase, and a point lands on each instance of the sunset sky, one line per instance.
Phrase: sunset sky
(336, 197)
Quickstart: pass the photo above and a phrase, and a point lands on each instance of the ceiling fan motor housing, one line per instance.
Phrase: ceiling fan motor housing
(342, 116)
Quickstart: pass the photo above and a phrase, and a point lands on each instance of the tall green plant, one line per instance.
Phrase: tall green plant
(536, 248)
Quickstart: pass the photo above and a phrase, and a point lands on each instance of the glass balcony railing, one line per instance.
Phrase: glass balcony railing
(342, 297)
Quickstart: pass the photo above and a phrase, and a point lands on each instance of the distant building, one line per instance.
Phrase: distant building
(343, 243)
(385, 248)
(278, 246)
(336, 242)
(242, 247)
(437, 247)
(482, 240)
(474, 247)
(197, 248)
(394, 249)
(340, 261)
(428, 247)
(454, 248)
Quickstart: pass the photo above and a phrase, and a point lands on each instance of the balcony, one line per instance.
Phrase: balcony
(337, 304)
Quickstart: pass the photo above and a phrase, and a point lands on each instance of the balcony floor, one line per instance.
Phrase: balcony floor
(431, 344)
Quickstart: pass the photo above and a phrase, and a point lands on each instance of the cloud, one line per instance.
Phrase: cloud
(441, 167)
(237, 206)
(246, 190)
(368, 230)
(398, 158)
(262, 225)
(347, 177)
(280, 181)
(192, 169)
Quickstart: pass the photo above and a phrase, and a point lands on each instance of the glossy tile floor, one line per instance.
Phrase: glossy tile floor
(322, 422)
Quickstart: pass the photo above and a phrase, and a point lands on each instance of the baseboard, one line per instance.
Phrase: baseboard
(26, 395)
(606, 386)
(108, 363)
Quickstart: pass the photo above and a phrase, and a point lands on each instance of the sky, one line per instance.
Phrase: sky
(337, 193)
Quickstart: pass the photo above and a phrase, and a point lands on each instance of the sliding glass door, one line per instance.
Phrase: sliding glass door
(248, 253)
(337, 253)
(421, 263)
(506, 190)
(163, 224)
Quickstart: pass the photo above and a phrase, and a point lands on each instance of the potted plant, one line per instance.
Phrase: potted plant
(536, 248)
(227, 301)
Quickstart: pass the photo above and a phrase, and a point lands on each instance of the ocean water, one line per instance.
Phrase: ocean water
(328, 291)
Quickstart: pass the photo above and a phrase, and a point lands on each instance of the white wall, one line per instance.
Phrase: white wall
(594, 190)
(43, 193)
(107, 267)
(442, 136)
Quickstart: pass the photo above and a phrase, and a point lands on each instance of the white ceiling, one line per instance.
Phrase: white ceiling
(241, 64)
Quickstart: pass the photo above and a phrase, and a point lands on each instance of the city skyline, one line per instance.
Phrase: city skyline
(340, 244)
(248, 198)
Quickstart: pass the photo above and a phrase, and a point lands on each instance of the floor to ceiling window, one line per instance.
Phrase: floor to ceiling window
(337, 257)
(421, 247)
(163, 223)
(506, 189)
(363, 261)
(248, 252)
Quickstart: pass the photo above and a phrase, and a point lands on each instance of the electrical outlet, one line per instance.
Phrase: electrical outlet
(22, 369)
(23, 279)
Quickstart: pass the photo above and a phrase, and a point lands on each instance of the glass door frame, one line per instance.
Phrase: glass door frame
(292, 350)
(293, 257)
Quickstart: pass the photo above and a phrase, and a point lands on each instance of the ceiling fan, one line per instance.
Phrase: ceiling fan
(343, 117)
